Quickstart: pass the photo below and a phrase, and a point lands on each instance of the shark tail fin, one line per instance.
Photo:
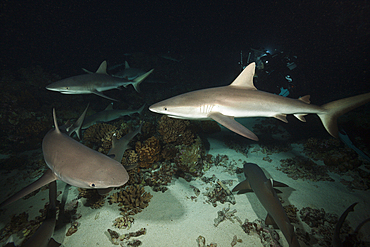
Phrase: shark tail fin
(335, 109)
(138, 80)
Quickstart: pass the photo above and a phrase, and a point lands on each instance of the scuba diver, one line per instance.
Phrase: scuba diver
(276, 72)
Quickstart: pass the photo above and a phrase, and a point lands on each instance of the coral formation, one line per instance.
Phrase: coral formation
(130, 157)
(201, 241)
(226, 214)
(304, 168)
(268, 236)
(291, 212)
(159, 176)
(219, 192)
(72, 229)
(97, 133)
(123, 222)
(149, 152)
(175, 131)
(322, 224)
(133, 199)
(93, 199)
(129, 235)
(169, 152)
(189, 158)
(210, 127)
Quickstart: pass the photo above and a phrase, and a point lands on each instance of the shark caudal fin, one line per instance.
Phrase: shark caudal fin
(335, 109)
(138, 80)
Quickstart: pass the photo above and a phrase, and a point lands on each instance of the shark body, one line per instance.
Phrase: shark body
(263, 188)
(95, 83)
(242, 99)
(107, 115)
(43, 235)
(119, 146)
(75, 164)
(129, 72)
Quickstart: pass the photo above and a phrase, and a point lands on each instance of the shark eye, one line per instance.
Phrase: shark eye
(92, 185)
(165, 108)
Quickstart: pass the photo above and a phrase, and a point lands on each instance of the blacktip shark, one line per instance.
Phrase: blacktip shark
(107, 115)
(75, 164)
(95, 83)
(242, 99)
(263, 188)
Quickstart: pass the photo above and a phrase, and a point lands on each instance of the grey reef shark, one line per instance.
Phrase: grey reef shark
(128, 73)
(95, 83)
(108, 115)
(257, 181)
(242, 99)
(353, 238)
(43, 235)
(73, 163)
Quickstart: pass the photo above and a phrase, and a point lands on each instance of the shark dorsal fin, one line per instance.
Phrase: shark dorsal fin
(109, 107)
(102, 68)
(55, 121)
(245, 78)
(305, 99)
(126, 65)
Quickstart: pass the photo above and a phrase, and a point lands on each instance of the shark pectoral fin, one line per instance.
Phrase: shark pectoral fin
(53, 243)
(300, 117)
(270, 221)
(281, 117)
(231, 124)
(278, 184)
(45, 179)
(103, 95)
(242, 186)
(103, 192)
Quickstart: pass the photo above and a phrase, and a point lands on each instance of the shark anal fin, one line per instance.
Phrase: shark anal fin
(300, 117)
(231, 124)
(103, 95)
(281, 117)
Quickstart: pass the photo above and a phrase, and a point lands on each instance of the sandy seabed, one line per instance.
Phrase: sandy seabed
(174, 218)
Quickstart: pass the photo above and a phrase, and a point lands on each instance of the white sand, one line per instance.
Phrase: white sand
(173, 219)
